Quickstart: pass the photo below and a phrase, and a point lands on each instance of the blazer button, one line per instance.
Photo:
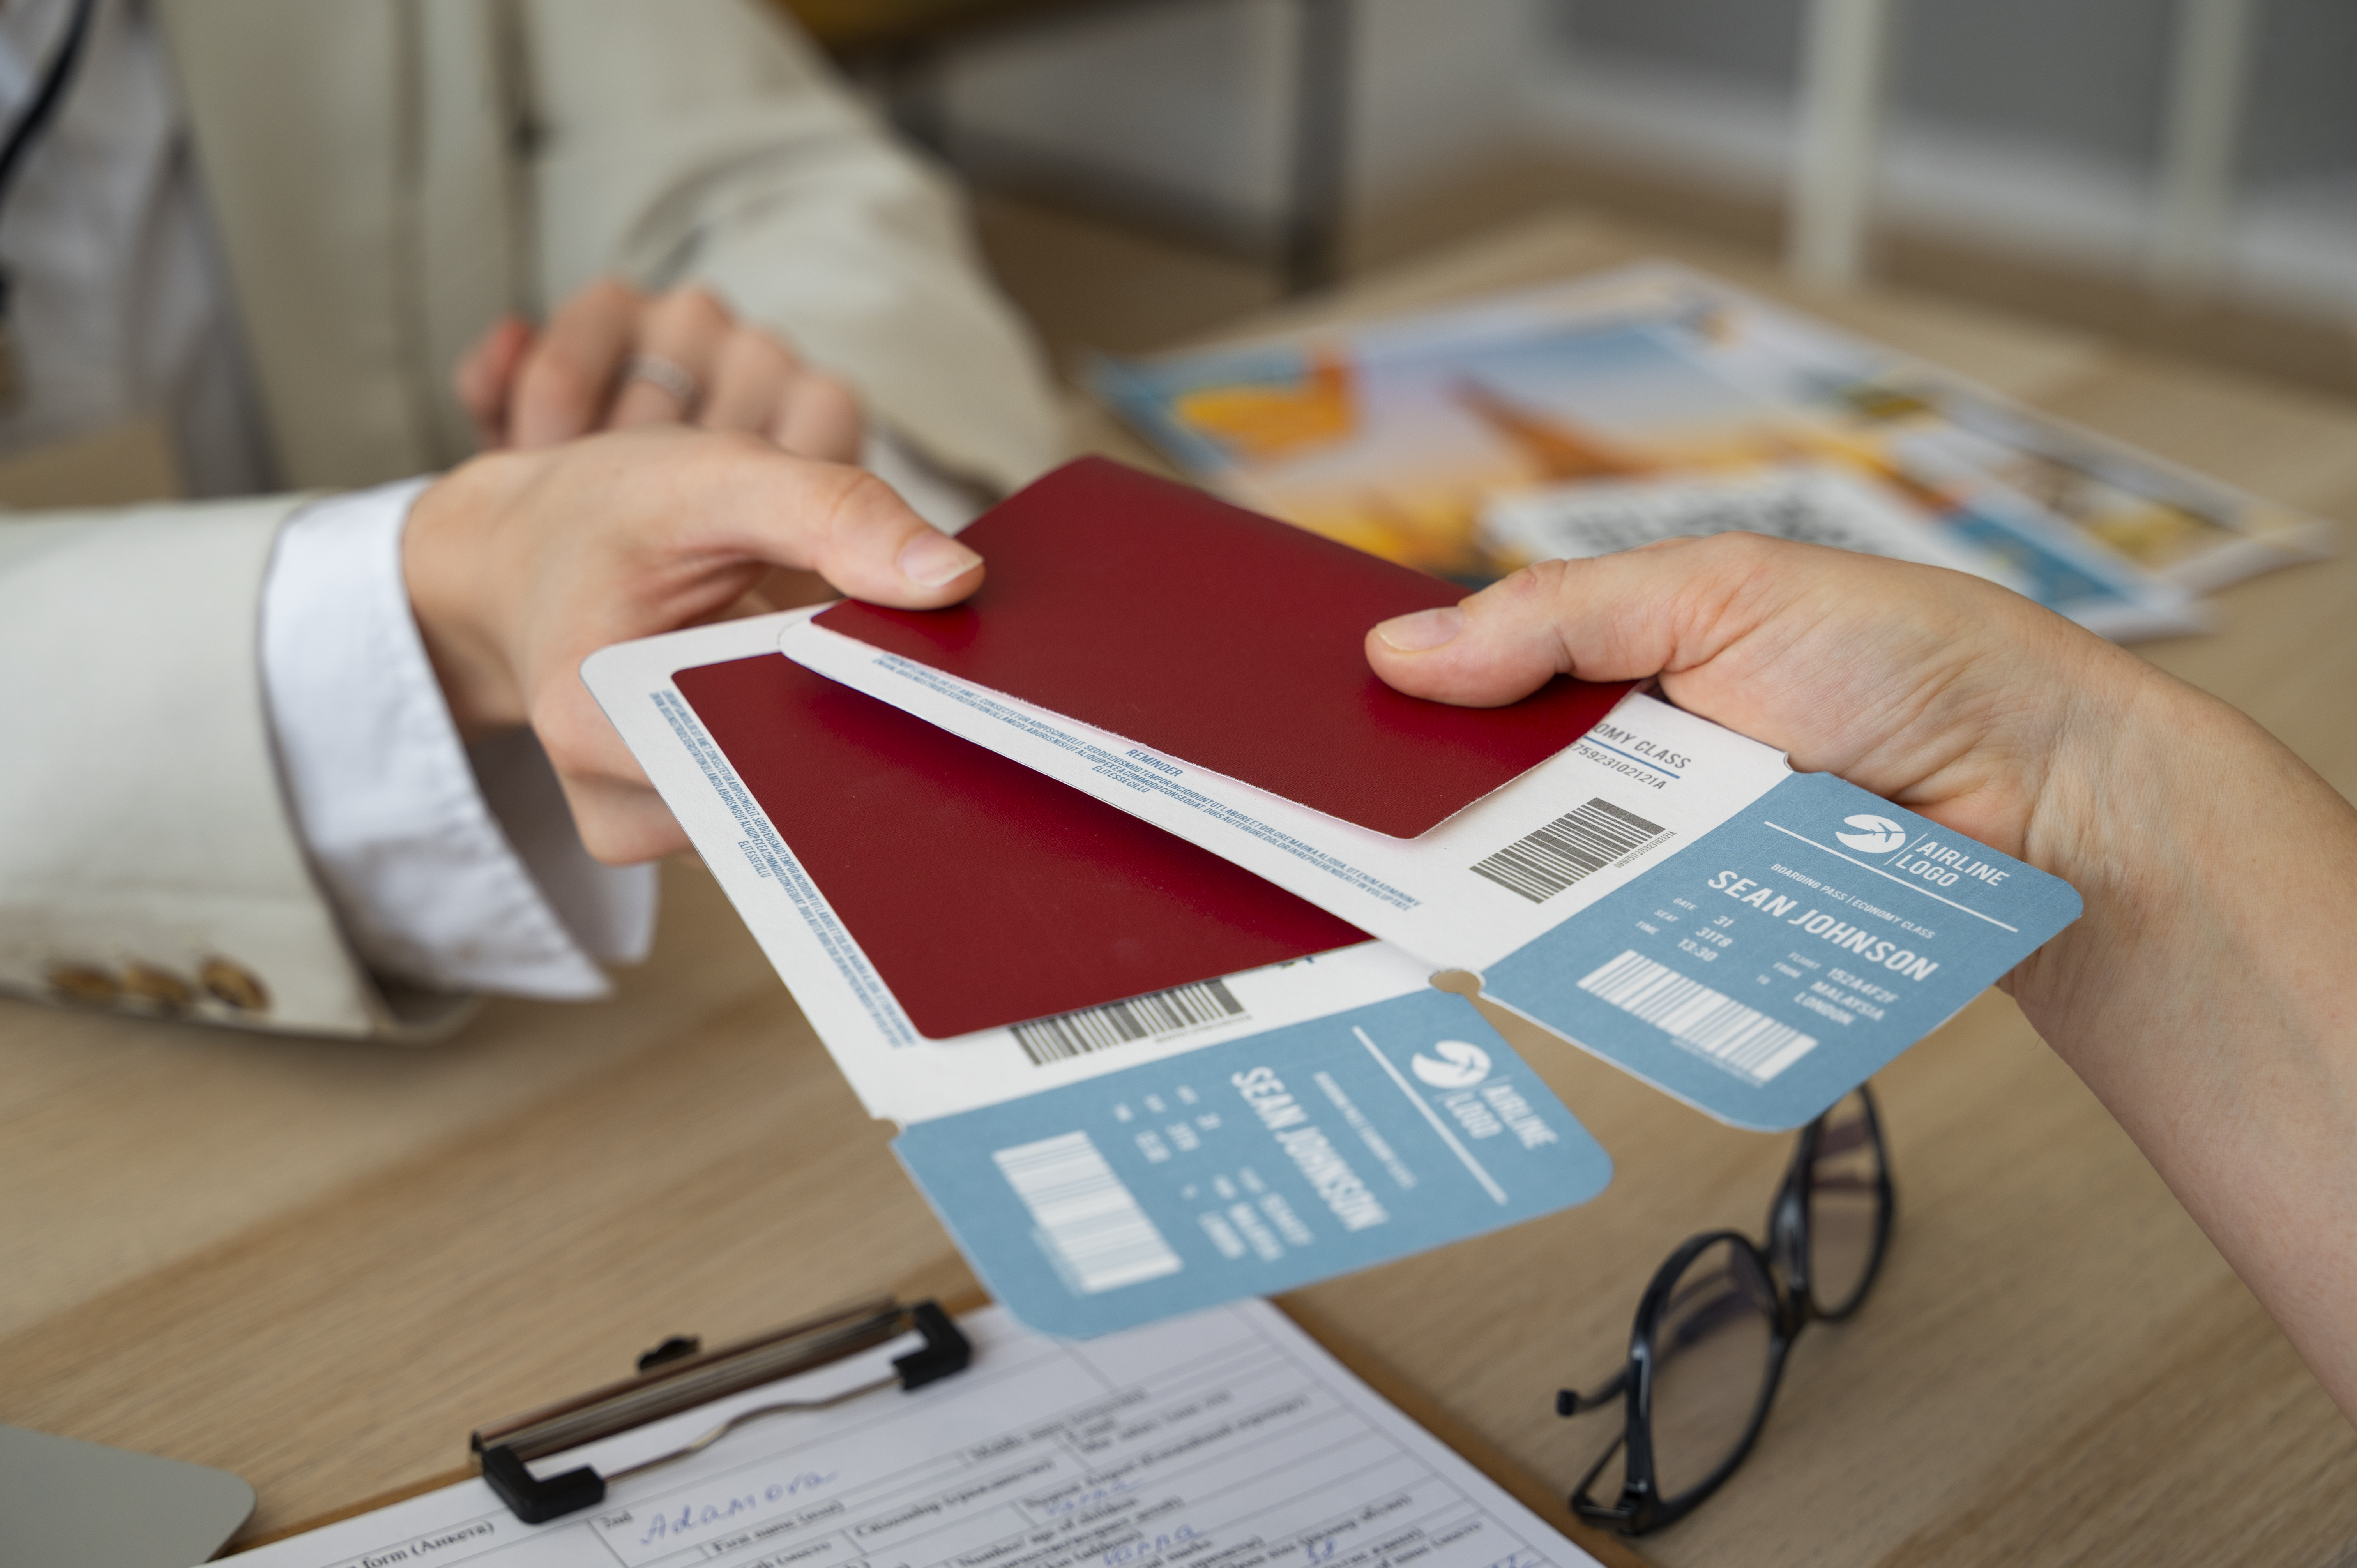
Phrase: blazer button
(158, 987)
(82, 983)
(234, 984)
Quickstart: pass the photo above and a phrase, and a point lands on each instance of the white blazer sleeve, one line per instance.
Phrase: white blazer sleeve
(148, 862)
(449, 871)
(705, 140)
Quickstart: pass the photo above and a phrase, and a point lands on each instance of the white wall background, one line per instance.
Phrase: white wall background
(1193, 97)
(1188, 100)
(2027, 123)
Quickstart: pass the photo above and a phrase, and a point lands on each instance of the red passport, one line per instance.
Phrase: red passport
(983, 893)
(1227, 639)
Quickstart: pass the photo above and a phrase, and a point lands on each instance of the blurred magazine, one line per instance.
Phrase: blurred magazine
(1818, 504)
(1429, 440)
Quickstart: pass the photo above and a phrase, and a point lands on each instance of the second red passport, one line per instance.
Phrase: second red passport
(1224, 639)
(983, 893)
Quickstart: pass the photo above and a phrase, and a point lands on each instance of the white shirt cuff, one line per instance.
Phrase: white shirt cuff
(448, 872)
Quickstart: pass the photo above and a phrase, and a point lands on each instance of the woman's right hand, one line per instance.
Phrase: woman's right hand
(2206, 996)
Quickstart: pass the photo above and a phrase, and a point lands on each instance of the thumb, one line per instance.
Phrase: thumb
(1661, 609)
(854, 531)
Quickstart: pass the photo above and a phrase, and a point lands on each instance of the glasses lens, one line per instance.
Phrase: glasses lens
(1710, 1365)
(1844, 1208)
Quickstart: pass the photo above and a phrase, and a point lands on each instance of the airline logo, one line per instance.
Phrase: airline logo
(1875, 835)
(1461, 1064)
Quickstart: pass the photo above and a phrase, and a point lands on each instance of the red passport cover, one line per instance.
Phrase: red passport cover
(983, 893)
(1227, 639)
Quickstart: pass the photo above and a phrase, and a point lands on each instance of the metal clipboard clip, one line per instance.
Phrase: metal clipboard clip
(679, 1375)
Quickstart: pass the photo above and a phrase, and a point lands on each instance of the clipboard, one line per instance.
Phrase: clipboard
(679, 1375)
(1230, 1426)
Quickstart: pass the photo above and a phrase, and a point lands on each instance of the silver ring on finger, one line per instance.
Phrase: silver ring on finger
(669, 376)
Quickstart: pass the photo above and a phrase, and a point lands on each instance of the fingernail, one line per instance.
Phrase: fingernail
(1423, 631)
(933, 560)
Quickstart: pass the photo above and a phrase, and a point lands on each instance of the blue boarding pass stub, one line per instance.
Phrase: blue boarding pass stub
(1788, 954)
(1252, 1166)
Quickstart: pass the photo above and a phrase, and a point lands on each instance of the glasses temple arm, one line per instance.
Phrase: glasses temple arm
(1570, 1401)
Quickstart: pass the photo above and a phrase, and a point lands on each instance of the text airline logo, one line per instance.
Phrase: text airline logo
(1462, 1065)
(1876, 835)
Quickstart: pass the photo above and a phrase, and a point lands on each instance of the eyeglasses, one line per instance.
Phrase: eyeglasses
(1715, 1325)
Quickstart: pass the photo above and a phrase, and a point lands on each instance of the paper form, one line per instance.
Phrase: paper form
(1228, 1439)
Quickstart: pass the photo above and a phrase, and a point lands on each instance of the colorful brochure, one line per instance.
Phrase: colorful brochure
(968, 936)
(1398, 436)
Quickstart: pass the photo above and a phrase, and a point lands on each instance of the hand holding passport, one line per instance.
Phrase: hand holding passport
(1155, 612)
(1079, 880)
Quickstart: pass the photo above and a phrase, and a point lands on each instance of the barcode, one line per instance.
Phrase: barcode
(1046, 1040)
(1691, 1013)
(1550, 860)
(1085, 1215)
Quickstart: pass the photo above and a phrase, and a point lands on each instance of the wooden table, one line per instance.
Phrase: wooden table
(319, 1264)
